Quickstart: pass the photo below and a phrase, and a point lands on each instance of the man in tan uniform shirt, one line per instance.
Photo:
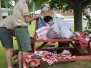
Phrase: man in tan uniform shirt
(6, 38)
(22, 19)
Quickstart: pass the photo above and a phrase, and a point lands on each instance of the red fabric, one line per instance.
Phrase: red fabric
(81, 41)
(35, 58)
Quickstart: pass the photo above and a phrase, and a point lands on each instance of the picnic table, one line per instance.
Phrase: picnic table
(76, 45)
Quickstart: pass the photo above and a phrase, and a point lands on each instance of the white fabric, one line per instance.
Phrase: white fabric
(61, 23)
(42, 33)
(53, 31)
(65, 33)
(59, 29)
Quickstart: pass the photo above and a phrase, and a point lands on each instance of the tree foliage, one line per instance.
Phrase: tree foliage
(76, 5)
(6, 4)
(68, 4)
(39, 3)
(63, 4)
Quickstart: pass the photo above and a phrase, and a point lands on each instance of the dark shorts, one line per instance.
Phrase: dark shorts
(23, 39)
(6, 38)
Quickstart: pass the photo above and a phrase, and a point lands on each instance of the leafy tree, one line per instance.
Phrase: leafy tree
(39, 3)
(6, 4)
(76, 5)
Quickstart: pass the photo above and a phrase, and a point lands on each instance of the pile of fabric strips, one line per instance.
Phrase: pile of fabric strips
(35, 58)
(82, 38)
(66, 55)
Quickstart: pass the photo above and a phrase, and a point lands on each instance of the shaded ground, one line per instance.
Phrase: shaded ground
(77, 64)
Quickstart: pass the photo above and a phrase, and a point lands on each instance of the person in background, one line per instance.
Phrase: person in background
(6, 37)
(49, 22)
(21, 17)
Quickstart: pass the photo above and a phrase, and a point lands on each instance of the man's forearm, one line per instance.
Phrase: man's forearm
(35, 17)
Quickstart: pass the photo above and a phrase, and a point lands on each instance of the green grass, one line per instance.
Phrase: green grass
(77, 64)
(2, 57)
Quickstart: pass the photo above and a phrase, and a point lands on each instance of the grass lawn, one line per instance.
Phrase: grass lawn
(77, 64)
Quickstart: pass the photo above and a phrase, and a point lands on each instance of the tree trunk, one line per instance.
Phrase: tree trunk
(77, 16)
(0, 11)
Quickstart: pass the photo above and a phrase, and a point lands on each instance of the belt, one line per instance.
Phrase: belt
(2, 27)
(21, 27)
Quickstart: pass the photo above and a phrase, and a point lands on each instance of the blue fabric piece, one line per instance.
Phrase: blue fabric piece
(41, 23)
